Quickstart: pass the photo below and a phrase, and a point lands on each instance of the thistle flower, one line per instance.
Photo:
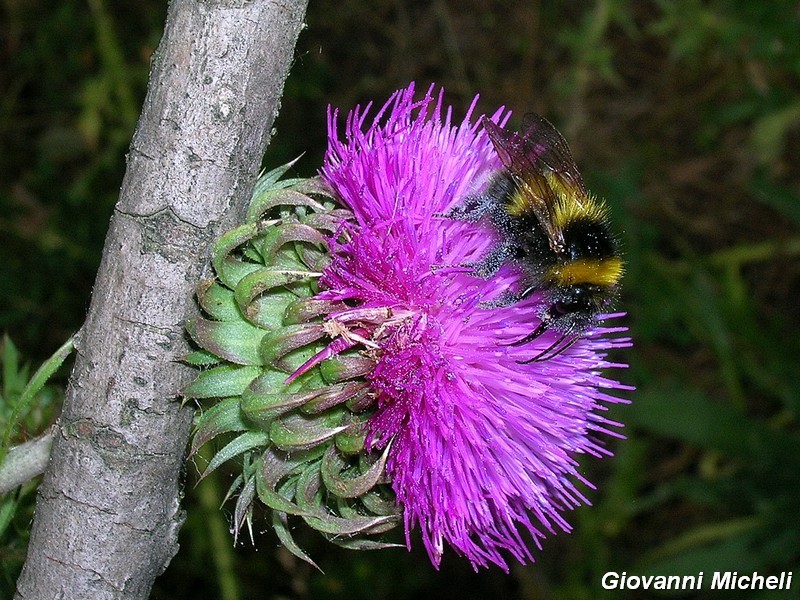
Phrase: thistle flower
(483, 447)
(362, 371)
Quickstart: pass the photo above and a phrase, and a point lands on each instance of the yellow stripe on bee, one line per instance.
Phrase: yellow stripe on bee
(519, 204)
(569, 204)
(573, 205)
(592, 271)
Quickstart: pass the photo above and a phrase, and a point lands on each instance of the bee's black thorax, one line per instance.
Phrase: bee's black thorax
(589, 239)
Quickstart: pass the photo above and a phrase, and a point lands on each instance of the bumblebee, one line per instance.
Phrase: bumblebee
(551, 227)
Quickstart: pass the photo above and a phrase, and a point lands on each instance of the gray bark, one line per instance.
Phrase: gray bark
(107, 514)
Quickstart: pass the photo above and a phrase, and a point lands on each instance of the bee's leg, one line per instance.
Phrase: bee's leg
(471, 210)
(490, 264)
(531, 336)
(506, 298)
(553, 350)
(562, 343)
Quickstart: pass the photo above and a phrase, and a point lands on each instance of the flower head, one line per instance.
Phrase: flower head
(482, 448)
(365, 376)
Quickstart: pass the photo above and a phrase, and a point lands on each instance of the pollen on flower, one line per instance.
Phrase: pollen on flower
(483, 449)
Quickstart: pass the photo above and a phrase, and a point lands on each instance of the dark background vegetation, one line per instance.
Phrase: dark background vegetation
(685, 115)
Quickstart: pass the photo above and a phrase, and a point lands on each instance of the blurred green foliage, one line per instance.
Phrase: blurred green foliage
(684, 114)
(27, 406)
(72, 84)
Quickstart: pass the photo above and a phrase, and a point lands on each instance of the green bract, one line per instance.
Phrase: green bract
(302, 443)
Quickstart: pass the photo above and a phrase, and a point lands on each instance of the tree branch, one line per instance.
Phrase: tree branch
(24, 462)
(107, 514)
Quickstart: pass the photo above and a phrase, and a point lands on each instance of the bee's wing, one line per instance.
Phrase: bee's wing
(548, 148)
(533, 154)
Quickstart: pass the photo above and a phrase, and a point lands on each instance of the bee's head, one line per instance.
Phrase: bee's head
(572, 308)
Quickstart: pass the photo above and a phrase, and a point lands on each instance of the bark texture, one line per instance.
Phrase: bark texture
(108, 512)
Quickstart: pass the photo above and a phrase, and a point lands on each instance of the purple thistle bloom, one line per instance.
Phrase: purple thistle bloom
(483, 448)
